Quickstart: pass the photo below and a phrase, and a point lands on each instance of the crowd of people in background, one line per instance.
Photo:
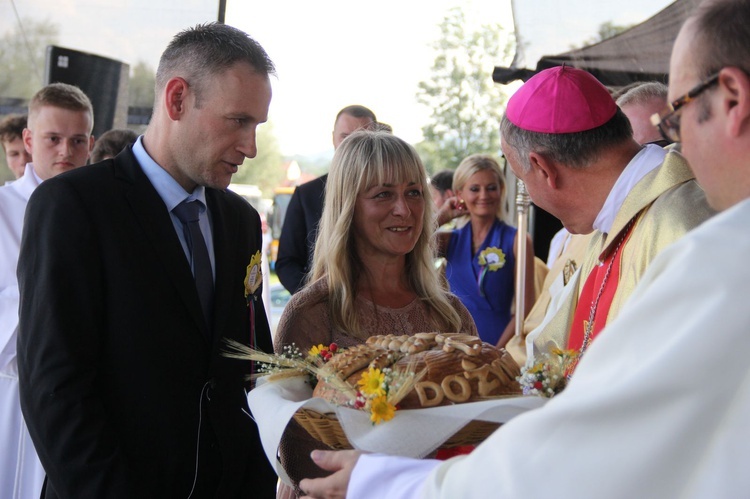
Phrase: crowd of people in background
(125, 264)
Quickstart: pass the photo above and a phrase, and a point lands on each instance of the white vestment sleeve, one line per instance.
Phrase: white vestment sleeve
(21, 473)
(377, 476)
(658, 406)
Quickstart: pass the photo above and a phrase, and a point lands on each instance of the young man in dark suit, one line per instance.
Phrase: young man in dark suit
(126, 301)
(300, 230)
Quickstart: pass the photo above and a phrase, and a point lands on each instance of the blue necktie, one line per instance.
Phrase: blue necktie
(188, 213)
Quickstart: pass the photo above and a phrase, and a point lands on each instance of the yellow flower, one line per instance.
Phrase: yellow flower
(565, 355)
(315, 351)
(381, 410)
(493, 258)
(372, 382)
(537, 368)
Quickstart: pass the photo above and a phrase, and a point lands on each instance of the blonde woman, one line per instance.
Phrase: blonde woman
(373, 269)
(481, 254)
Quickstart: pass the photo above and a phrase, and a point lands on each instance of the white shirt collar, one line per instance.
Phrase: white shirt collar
(27, 183)
(647, 159)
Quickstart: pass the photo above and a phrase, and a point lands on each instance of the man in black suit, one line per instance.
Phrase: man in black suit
(123, 384)
(300, 230)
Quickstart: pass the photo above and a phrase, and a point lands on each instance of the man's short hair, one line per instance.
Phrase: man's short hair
(643, 93)
(63, 96)
(617, 92)
(378, 126)
(203, 51)
(111, 142)
(722, 36)
(357, 111)
(442, 180)
(574, 150)
(11, 127)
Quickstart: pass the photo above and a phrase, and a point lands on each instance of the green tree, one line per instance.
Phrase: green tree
(606, 30)
(141, 85)
(266, 169)
(466, 104)
(22, 55)
(609, 29)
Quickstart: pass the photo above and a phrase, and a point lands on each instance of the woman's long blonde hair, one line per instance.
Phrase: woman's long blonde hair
(364, 159)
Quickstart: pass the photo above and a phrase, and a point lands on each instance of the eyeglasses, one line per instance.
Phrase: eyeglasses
(668, 121)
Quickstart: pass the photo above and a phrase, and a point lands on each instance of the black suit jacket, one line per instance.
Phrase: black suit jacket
(298, 235)
(119, 374)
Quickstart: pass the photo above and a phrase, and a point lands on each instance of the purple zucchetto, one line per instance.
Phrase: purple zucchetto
(562, 99)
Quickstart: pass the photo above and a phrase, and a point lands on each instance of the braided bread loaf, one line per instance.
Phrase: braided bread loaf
(459, 368)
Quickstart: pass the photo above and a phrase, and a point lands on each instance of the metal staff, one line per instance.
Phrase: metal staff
(523, 201)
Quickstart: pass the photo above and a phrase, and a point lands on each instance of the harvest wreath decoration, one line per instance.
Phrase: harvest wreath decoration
(378, 391)
(433, 390)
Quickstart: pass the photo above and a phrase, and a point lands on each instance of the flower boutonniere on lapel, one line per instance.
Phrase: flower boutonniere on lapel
(253, 278)
(490, 259)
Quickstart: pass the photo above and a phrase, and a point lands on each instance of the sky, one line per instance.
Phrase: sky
(329, 53)
(368, 53)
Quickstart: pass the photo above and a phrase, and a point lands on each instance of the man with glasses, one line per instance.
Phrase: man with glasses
(668, 121)
(659, 406)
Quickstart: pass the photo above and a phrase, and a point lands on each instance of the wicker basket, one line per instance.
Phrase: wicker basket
(327, 429)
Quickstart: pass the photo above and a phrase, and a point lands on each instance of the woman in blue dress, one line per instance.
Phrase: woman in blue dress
(481, 254)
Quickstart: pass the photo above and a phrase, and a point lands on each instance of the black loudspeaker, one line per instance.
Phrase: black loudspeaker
(103, 80)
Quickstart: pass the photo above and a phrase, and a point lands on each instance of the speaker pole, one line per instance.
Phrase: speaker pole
(222, 10)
